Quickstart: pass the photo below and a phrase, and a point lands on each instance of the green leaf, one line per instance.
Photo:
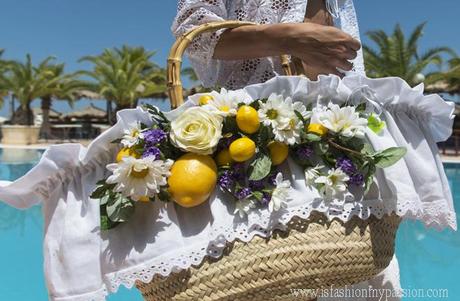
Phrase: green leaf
(299, 115)
(99, 192)
(255, 104)
(164, 195)
(312, 137)
(361, 107)
(367, 149)
(101, 189)
(230, 125)
(321, 148)
(121, 209)
(107, 224)
(389, 156)
(369, 177)
(257, 195)
(260, 168)
(263, 138)
(105, 199)
(375, 124)
(355, 143)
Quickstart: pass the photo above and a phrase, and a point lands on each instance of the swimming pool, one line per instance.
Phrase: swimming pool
(428, 259)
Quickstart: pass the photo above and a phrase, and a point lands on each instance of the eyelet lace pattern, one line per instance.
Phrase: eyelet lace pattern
(239, 73)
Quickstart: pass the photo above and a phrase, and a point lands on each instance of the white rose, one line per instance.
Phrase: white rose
(197, 130)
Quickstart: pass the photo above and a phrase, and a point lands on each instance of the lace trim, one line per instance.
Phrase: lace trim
(434, 215)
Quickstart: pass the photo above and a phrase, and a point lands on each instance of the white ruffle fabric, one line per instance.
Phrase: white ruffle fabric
(83, 263)
(236, 74)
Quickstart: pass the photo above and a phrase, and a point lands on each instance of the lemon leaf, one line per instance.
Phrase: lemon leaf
(260, 168)
(375, 124)
(120, 209)
(389, 156)
(312, 137)
(257, 195)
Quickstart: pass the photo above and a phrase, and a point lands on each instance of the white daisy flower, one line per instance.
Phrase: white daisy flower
(300, 107)
(136, 178)
(131, 134)
(242, 207)
(311, 174)
(290, 133)
(344, 121)
(280, 194)
(333, 184)
(226, 102)
(276, 112)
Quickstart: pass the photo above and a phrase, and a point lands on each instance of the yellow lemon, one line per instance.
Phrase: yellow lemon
(317, 128)
(224, 158)
(204, 100)
(192, 180)
(242, 149)
(247, 119)
(144, 199)
(278, 152)
(127, 152)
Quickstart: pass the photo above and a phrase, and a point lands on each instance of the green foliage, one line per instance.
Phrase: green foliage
(451, 77)
(398, 56)
(389, 156)
(125, 75)
(27, 82)
(375, 124)
(260, 167)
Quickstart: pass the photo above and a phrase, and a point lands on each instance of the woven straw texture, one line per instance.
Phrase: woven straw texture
(314, 253)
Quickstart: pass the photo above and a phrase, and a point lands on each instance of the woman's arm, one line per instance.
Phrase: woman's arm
(322, 47)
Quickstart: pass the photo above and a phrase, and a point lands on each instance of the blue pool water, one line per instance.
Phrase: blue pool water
(428, 259)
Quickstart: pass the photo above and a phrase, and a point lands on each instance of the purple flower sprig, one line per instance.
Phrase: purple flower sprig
(154, 136)
(152, 151)
(304, 152)
(356, 179)
(226, 180)
(348, 167)
(243, 193)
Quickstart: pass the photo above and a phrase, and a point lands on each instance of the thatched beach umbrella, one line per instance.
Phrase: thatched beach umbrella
(90, 111)
(441, 87)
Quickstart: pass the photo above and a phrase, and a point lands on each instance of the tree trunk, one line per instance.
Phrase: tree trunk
(109, 112)
(45, 131)
(23, 116)
(29, 114)
(122, 105)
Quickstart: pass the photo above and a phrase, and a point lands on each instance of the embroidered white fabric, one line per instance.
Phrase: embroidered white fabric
(239, 73)
(82, 263)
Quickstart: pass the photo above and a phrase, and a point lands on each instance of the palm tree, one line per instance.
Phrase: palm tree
(59, 86)
(27, 82)
(397, 56)
(191, 74)
(448, 81)
(3, 65)
(125, 75)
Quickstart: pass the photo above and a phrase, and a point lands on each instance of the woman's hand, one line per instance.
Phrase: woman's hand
(324, 48)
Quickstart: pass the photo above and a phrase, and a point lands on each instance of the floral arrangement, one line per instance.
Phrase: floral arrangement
(239, 144)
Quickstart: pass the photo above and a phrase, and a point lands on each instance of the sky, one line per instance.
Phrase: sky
(70, 29)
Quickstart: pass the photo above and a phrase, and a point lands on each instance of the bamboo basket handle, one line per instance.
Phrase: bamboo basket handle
(173, 71)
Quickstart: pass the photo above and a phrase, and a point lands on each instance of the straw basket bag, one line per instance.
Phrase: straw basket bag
(312, 254)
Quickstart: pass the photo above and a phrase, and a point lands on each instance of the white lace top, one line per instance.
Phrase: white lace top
(239, 73)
